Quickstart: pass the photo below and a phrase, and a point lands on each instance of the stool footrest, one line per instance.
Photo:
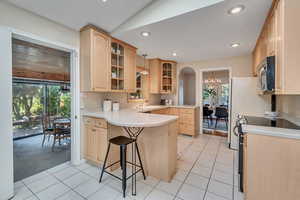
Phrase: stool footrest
(119, 177)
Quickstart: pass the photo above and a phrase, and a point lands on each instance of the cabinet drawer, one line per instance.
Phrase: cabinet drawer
(88, 121)
(100, 123)
(186, 111)
(186, 129)
(187, 118)
(174, 111)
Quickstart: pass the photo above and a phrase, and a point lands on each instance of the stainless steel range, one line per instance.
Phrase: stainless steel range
(257, 121)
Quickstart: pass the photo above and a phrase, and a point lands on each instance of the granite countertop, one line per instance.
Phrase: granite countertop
(132, 118)
(158, 107)
(272, 131)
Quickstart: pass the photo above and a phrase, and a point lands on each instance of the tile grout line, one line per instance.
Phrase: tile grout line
(212, 171)
(35, 193)
(189, 172)
(69, 187)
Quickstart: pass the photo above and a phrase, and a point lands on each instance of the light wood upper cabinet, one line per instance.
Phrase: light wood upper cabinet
(130, 69)
(162, 76)
(155, 75)
(288, 42)
(94, 61)
(278, 46)
(106, 63)
(271, 32)
(280, 37)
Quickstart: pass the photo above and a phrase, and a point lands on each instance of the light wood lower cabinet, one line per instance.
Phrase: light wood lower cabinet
(271, 168)
(157, 145)
(95, 139)
(188, 122)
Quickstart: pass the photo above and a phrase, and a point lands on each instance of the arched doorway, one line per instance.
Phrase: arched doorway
(187, 86)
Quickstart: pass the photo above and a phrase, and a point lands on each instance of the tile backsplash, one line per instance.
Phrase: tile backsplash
(93, 101)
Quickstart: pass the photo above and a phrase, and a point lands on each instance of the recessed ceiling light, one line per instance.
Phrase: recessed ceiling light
(174, 54)
(145, 33)
(236, 10)
(104, 1)
(234, 45)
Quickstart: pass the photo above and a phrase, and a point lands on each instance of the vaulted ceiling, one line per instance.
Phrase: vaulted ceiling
(194, 29)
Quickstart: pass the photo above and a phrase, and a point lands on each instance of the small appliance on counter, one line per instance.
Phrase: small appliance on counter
(163, 102)
(166, 102)
(107, 104)
(116, 106)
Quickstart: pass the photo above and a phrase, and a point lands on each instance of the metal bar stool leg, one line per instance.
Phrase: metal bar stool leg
(133, 170)
(140, 160)
(121, 157)
(104, 164)
(123, 164)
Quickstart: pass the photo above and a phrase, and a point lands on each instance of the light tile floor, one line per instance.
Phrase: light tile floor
(207, 170)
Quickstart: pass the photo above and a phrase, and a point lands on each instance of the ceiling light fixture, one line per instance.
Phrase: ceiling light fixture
(234, 45)
(174, 54)
(236, 10)
(104, 1)
(145, 33)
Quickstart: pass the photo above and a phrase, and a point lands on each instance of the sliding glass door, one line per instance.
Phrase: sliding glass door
(33, 100)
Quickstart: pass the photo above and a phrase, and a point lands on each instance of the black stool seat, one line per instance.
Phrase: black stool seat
(121, 140)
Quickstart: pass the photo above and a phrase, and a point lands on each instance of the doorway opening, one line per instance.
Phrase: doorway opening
(216, 102)
(41, 107)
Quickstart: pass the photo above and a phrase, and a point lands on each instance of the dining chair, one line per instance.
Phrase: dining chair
(221, 113)
(207, 115)
(48, 129)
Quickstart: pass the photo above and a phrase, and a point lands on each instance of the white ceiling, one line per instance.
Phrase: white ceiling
(194, 34)
(77, 13)
(203, 34)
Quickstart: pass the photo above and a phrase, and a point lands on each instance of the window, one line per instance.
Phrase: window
(32, 100)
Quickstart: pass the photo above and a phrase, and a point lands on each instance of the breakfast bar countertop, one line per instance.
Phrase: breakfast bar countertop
(132, 118)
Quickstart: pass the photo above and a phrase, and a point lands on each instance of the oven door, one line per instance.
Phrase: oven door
(238, 131)
(241, 162)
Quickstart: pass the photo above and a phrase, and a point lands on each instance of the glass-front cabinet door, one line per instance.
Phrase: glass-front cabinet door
(167, 77)
(117, 66)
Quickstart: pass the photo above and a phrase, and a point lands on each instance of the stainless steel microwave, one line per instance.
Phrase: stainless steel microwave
(267, 74)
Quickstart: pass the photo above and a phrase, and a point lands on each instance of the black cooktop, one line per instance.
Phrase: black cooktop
(279, 123)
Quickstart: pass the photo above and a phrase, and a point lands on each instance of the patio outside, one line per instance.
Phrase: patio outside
(32, 101)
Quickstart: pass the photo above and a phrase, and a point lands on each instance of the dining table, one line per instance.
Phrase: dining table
(62, 130)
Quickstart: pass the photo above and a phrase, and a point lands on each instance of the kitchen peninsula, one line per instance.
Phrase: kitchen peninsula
(157, 142)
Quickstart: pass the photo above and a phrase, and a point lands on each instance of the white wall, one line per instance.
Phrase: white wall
(240, 66)
(6, 144)
(289, 106)
(22, 21)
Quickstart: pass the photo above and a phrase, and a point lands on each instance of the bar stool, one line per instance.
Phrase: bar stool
(123, 141)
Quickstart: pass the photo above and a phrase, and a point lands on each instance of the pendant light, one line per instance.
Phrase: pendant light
(65, 86)
(212, 81)
(145, 71)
